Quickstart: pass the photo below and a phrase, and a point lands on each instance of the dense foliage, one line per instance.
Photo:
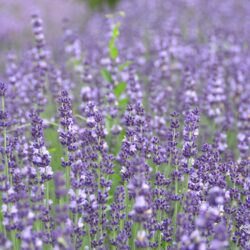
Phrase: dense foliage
(95, 4)
(135, 137)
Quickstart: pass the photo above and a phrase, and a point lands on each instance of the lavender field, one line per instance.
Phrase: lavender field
(125, 126)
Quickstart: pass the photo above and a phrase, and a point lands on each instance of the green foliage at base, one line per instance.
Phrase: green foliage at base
(100, 4)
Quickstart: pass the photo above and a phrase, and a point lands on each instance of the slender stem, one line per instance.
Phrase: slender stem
(126, 199)
(19, 127)
(80, 117)
(13, 239)
(28, 124)
(6, 170)
(176, 206)
(100, 208)
(67, 175)
(5, 143)
(160, 236)
(186, 179)
(53, 124)
(134, 234)
(229, 220)
(67, 169)
(75, 216)
(38, 224)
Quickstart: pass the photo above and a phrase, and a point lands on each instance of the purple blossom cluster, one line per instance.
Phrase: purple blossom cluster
(135, 136)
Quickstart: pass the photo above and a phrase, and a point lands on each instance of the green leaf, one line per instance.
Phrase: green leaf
(55, 148)
(113, 50)
(124, 65)
(106, 75)
(114, 53)
(111, 43)
(108, 123)
(116, 31)
(52, 150)
(120, 88)
(123, 103)
(121, 136)
(76, 62)
(110, 197)
(108, 208)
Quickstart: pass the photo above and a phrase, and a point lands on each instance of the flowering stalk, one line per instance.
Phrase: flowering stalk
(191, 132)
(5, 143)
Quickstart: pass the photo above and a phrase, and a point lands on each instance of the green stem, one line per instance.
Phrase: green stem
(67, 176)
(134, 235)
(126, 199)
(6, 170)
(232, 245)
(19, 127)
(176, 206)
(75, 222)
(5, 143)
(13, 239)
(160, 236)
(47, 193)
(80, 117)
(187, 175)
(100, 209)
(66, 172)
(38, 223)
(28, 124)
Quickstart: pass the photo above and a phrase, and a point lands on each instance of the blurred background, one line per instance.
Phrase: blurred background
(15, 17)
(16, 31)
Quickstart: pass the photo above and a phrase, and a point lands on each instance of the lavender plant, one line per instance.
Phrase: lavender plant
(135, 136)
